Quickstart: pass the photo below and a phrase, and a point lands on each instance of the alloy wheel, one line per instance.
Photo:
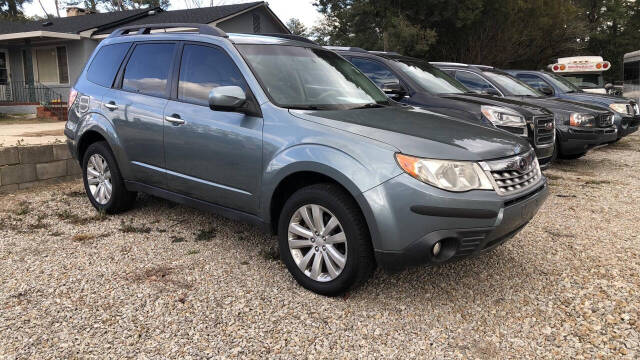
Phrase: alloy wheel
(317, 242)
(99, 179)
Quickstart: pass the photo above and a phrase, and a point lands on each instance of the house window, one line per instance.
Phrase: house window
(256, 23)
(51, 65)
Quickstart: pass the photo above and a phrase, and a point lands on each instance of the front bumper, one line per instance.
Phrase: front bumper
(576, 140)
(411, 217)
(628, 125)
(544, 155)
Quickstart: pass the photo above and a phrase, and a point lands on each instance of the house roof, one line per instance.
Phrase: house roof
(199, 15)
(107, 22)
(72, 24)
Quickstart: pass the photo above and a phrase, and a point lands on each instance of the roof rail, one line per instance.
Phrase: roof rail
(290, 37)
(345, 48)
(482, 66)
(386, 53)
(436, 63)
(146, 29)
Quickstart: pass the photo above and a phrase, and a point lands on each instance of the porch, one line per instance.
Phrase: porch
(37, 69)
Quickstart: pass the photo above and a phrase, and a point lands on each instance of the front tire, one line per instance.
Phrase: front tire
(102, 180)
(324, 240)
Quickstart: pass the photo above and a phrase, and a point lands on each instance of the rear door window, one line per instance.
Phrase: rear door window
(204, 68)
(106, 63)
(147, 70)
(532, 80)
(472, 81)
(375, 71)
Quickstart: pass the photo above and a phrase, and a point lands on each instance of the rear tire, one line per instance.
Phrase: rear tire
(342, 265)
(102, 180)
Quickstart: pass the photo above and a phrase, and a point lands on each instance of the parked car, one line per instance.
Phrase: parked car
(415, 82)
(627, 112)
(579, 126)
(291, 136)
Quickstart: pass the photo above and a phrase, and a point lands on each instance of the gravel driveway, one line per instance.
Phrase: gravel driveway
(167, 281)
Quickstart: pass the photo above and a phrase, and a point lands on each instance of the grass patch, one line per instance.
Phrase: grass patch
(75, 219)
(76, 193)
(206, 234)
(271, 253)
(161, 274)
(177, 239)
(597, 182)
(23, 208)
(553, 177)
(39, 225)
(559, 234)
(82, 237)
(131, 228)
(193, 252)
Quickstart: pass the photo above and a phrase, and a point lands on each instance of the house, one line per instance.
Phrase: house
(40, 60)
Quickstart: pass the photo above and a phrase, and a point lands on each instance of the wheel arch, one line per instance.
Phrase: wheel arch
(96, 127)
(297, 175)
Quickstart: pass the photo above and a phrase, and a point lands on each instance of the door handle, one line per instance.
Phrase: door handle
(174, 119)
(111, 106)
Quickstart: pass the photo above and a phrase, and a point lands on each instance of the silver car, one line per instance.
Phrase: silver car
(290, 136)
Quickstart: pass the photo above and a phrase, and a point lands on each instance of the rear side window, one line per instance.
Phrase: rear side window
(105, 64)
(204, 68)
(532, 80)
(147, 70)
(472, 81)
(377, 72)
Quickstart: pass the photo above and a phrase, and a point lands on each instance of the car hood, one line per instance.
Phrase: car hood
(602, 99)
(524, 108)
(560, 105)
(418, 132)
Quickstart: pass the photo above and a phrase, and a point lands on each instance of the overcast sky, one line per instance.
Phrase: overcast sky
(285, 9)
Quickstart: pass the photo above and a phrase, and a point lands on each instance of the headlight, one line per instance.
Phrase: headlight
(621, 108)
(506, 119)
(584, 120)
(448, 175)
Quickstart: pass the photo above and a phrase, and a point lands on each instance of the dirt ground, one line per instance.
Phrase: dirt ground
(163, 280)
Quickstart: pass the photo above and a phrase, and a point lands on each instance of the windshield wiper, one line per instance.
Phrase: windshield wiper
(368, 106)
(303, 107)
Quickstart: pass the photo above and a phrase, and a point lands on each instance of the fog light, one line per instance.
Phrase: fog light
(436, 248)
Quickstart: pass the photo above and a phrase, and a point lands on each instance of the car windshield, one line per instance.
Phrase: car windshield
(299, 77)
(430, 78)
(563, 84)
(511, 85)
(586, 81)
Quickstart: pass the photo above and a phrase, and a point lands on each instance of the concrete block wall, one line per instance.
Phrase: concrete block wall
(22, 167)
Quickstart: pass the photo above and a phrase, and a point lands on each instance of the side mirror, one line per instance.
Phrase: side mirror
(491, 91)
(546, 90)
(393, 90)
(227, 98)
(608, 86)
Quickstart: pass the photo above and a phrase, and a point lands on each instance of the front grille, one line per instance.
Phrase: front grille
(605, 120)
(515, 174)
(543, 129)
(635, 109)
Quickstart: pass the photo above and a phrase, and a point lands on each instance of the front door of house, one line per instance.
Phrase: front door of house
(5, 94)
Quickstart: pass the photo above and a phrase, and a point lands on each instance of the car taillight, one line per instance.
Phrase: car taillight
(605, 65)
(556, 68)
(562, 67)
(73, 93)
(598, 66)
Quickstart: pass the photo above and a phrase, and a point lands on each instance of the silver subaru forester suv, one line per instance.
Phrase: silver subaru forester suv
(290, 136)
